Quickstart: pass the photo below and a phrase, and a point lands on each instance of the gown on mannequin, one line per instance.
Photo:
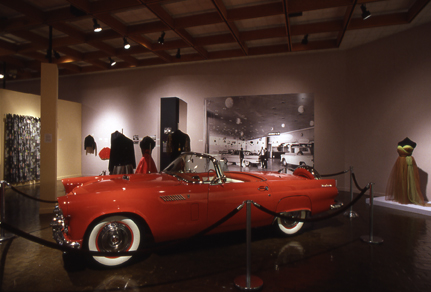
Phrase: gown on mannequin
(404, 185)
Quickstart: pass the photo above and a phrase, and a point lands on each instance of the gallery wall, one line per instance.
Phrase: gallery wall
(389, 99)
(366, 100)
(68, 127)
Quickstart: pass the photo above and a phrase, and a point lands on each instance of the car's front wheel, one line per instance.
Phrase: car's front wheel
(114, 234)
(290, 227)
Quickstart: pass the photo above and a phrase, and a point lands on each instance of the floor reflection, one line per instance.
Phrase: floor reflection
(325, 256)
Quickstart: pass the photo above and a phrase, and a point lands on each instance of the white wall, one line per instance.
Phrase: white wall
(389, 99)
(354, 125)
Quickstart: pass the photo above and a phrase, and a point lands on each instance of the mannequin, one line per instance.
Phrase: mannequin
(178, 142)
(146, 164)
(404, 185)
(122, 155)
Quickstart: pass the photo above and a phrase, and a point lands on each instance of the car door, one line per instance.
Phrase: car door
(182, 211)
(225, 197)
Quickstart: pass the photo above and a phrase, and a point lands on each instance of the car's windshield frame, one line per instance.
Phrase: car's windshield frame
(178, 167)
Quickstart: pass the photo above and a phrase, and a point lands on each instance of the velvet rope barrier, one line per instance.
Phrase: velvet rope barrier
(63, 248)
(339, 211)
(28, 196)
(334, 174)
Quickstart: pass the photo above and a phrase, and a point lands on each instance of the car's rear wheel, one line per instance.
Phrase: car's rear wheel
(114, 234)
(288, 226)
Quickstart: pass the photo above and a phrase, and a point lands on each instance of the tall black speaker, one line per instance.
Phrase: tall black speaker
(173, 116)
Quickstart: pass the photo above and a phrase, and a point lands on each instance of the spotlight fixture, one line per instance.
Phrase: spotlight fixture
(96, 25)
(162, 38)
(1, 76)
(112, 62)
(56, 55)
(126, 43)
(305, 40)
(365, 13)
(178, 55)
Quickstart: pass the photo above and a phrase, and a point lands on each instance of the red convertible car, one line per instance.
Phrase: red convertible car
(116, 213)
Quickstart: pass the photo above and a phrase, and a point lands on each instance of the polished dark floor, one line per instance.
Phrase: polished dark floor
(326, 256)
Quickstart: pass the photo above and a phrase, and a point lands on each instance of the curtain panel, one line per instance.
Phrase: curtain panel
(22, 148)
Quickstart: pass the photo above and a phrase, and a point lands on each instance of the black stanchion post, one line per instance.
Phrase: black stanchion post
(248, 282)
(371, 238)
(3, 236)
(351, 213)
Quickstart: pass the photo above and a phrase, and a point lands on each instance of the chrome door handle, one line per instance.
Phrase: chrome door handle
(262, 188)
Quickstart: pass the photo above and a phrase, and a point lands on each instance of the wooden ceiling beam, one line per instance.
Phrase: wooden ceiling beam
(99, 64)
(70, 67)
(218, 4)
(147, 44)
(161, 13)
(198, 20)
(103, 47)
(95, 56)
(416, 8)
(215, 39)
(7, 48)
(145, 28)
(33, 38)
(112, 22)
(71, 54)
(347, 18)
(287, 25)
(266, 33)
(23, 7)
(83, 5)
(379, 20)
(70, 31)
(316, 45)
(109, 6)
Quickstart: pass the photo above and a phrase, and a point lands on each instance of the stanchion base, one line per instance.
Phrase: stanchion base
(374, 239)
(255, 283)
(351, 214)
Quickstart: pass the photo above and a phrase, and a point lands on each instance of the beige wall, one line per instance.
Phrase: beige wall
(69, 142)
(69, 129)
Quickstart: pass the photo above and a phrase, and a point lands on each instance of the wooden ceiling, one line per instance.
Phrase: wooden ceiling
(198, 30)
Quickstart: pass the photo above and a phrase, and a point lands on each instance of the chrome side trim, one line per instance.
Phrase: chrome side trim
(172, 198)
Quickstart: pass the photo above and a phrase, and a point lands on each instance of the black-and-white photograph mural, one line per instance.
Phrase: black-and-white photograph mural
(261, 132)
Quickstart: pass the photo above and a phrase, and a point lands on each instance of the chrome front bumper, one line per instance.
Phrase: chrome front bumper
(59, 228)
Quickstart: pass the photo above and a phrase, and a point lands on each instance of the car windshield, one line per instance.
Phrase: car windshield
(194, 163)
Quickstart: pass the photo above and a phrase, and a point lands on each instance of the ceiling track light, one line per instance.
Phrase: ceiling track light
(126, 43)
(161, 39)
(96, 26)
(112, 62)
(178, 55)
(305, 40)
(365, 13)
(56, 55)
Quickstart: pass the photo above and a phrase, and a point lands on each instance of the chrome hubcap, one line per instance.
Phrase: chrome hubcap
(290, 223)
(114, 237)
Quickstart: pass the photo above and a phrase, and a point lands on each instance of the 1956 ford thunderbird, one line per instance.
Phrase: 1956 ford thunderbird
(116, 213)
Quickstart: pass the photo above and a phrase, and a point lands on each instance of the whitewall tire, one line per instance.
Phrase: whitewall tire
(290, 227)
(114, 234)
